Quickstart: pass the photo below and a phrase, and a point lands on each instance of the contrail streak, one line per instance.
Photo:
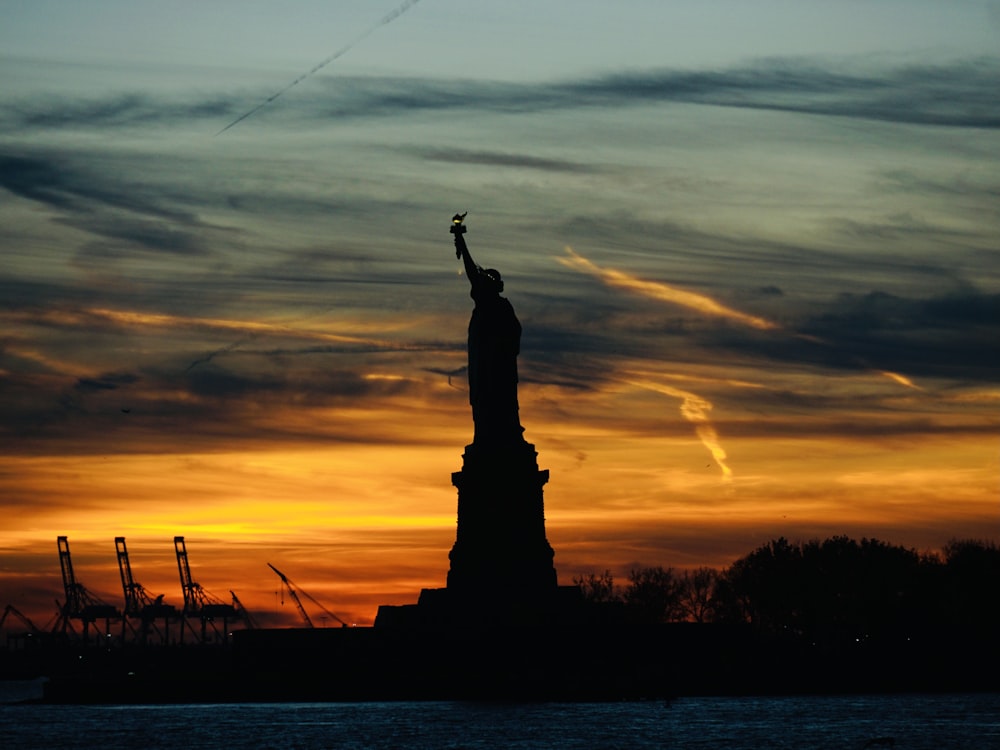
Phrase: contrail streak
(250, 330)
(224, 350)
(388, 18)
(695, 410)
(901, 379)
(663, 292)
(703, 304)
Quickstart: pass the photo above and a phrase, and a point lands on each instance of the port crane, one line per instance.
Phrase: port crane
(31, 632)
(80, 603)
(200, 603)
(10, 609)
(139, 604)
(298, 604)
(251, 623)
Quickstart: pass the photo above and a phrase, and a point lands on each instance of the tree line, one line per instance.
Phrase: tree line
(832, 589)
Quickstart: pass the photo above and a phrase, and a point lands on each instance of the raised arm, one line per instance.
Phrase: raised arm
(462, 250)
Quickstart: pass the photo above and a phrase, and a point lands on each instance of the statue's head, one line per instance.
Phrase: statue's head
(494, 276)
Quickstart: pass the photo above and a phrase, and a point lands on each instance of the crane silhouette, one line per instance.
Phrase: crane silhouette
(294, 594)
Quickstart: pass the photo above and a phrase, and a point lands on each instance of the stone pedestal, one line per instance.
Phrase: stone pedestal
(502, 570)
(500, 549)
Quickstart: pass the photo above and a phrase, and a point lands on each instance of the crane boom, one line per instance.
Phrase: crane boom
(295, 597)
(325, 610)
(243, 611)
(25, 620)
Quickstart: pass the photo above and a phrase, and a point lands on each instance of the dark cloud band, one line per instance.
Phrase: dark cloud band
(959, 94)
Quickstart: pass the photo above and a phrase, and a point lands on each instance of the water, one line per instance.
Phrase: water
(932, 722)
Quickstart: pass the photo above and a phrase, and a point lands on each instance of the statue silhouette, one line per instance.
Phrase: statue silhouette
(501, 563)
(494, 343)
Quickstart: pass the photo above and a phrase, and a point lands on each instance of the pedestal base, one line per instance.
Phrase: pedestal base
(500, 549)
(502, 571)
(446, 610)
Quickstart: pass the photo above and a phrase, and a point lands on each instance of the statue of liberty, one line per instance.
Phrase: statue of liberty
(494, 343)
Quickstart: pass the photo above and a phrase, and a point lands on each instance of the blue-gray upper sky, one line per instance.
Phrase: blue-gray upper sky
(515, 40)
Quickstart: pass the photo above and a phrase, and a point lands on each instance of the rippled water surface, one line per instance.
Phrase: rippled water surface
(934, 722)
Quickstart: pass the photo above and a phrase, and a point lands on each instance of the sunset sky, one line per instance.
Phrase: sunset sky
(753, 245)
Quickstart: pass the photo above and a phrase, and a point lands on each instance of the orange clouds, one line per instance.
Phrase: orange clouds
(338, 472)
(695, 410)
(358, 525)
(664, 292)
(901, 379)
(246, 327)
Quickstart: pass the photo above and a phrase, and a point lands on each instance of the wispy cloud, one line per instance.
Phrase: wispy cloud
(932, 337)
(500, 159)
(119, 110)
(245, 327)
(664, 292)
(889, 335)
(695, 410)
(107, 203)
(955, 94)
(60, 182)
(901, 379)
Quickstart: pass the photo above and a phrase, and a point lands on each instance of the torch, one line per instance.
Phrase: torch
(458, 228)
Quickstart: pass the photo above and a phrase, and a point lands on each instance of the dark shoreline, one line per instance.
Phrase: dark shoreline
(600, 663)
